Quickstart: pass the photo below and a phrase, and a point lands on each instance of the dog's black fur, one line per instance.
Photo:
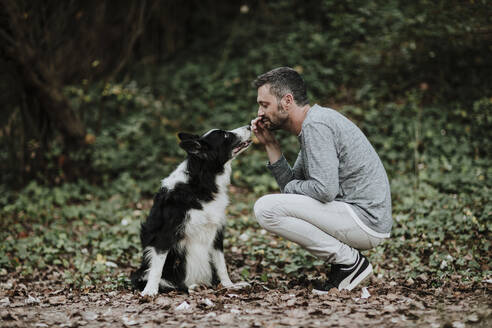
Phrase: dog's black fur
(165, 227)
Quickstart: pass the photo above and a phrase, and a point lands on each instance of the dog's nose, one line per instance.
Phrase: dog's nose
(248, 127)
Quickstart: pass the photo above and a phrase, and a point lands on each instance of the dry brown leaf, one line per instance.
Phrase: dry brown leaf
(57, 300)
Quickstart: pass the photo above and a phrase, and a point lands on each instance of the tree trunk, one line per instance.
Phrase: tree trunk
(61, 114)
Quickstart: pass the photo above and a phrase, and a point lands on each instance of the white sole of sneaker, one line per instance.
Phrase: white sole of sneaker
(365, 274)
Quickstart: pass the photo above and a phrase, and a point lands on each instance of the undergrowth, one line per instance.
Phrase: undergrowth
(438, 167)
(413, 76)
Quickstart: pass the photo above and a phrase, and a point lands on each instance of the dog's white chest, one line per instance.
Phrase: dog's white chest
(212, 215)
(201, 229)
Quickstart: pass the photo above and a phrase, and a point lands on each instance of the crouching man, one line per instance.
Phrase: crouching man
(335, 200)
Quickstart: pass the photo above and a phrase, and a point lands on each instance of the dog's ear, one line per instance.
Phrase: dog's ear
(187, 136)
(191, 146)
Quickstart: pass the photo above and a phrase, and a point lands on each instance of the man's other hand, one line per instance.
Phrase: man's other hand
(264, 135)
(267, 138)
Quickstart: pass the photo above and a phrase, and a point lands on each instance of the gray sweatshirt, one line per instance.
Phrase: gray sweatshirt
(337, 162)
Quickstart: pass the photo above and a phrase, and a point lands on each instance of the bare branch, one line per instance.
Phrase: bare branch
(137, 30)
(7, 37)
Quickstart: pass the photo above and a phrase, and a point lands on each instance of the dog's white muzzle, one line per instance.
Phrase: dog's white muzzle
(244, 135)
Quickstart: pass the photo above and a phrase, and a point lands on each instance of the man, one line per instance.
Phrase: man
(336, 198)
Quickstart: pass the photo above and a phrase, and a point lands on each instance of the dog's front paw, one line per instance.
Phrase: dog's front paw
(238, 285)
(150, 291)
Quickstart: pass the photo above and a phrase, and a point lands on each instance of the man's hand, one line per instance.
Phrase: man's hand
(264, 135)
(267, 138)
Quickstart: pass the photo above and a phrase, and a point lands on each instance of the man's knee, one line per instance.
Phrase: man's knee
(266, 211)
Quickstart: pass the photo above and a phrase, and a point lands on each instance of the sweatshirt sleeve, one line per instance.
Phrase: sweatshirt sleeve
(281, 171)
(318, 142)
(298, 168)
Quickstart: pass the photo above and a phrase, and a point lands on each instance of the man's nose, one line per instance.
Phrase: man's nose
(260, 111)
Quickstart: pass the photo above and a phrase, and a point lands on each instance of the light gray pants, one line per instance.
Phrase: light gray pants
(327, 230)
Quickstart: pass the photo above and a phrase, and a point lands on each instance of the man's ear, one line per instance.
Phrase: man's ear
(287, 100)
(186, 136)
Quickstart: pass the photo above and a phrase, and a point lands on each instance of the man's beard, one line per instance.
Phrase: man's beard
(273, 127)
(277, 126)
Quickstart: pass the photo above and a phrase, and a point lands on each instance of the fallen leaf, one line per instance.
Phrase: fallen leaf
(365, 293)
(107, 313)
(225, 318)
(56, 292)
(472, 318)
(423, 277)
(392, 297)
(6, 285)
(316, 312)
(296, 313)
(244, 237)
(57, 300)
(291, 302)
(128, 321)
(162, 301)
(183, 306)
(6, 315)
(418, 305)
(207, 302)
(111, 264)
(389, 308)
(89, 315)
(32, 300)
(320, 292)
(4, 302)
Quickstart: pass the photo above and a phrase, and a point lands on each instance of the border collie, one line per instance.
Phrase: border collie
(183, 235)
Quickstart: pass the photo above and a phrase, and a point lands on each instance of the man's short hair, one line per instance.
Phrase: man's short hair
(283, 80)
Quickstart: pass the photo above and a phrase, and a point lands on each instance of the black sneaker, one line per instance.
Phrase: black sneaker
(346, 276)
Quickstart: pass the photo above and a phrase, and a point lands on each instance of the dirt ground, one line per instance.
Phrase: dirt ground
(290, 304)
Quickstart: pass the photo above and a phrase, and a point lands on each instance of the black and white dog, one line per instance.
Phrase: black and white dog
(182, 237)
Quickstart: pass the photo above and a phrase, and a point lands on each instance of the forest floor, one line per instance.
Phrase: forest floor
(396, 303)
(273, 299)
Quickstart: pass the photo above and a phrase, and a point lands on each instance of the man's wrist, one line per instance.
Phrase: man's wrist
(272, 146)
(273, 151)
